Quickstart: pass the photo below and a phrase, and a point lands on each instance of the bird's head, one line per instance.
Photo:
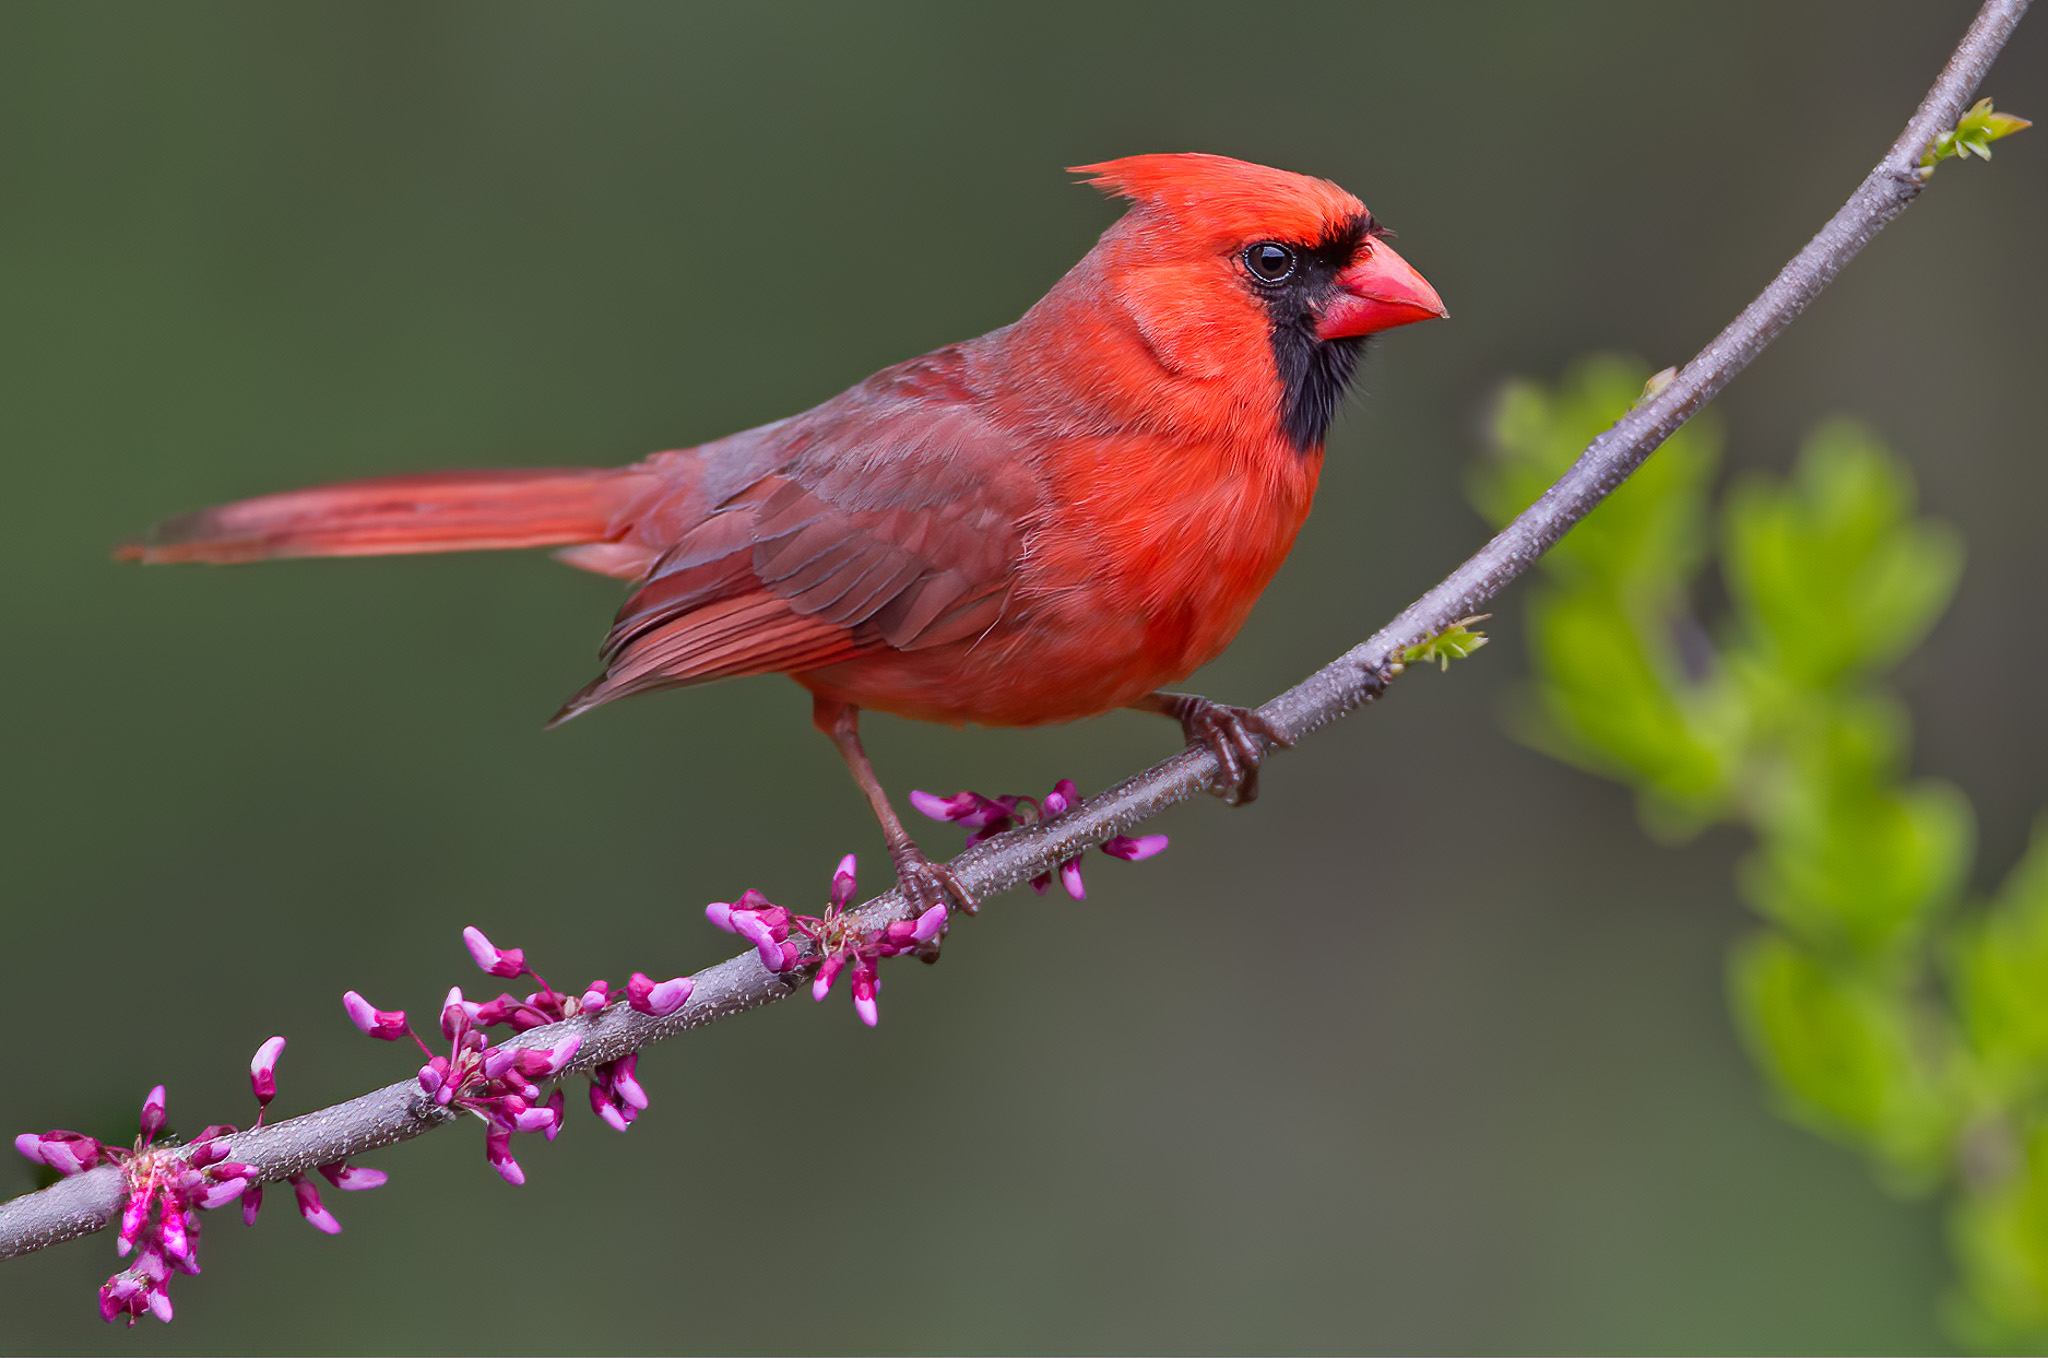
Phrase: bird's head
(1216, 250)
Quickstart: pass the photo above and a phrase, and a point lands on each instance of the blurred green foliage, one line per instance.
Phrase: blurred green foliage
(1886, 1013)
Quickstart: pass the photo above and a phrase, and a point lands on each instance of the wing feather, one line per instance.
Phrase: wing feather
(895, 519)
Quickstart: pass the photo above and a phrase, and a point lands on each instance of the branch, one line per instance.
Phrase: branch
(86, 1202)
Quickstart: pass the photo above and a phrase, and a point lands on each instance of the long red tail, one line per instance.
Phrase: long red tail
(437, 512)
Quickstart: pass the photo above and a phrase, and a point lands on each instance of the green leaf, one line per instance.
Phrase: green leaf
(1848, 860)
(1455, 642)
(1614, 694)
(1973, 135)
(1998, 970)
(1844, 1051)
(1615, 705)
(2000, 1236)
(1831, 576)
(1650, 536)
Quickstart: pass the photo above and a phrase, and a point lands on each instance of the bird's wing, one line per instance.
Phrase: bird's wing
(896, 520)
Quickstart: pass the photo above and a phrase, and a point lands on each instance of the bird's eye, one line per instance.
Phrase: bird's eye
(1269, 261)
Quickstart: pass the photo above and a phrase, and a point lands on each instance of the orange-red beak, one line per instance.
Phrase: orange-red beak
(1378, 292)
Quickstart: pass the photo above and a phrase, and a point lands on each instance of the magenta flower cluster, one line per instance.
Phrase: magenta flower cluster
(986, 817)
(169, 1185)
(501, 1084)
(839, 944)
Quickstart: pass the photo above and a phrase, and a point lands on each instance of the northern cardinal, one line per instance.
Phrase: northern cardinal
(1045, 523)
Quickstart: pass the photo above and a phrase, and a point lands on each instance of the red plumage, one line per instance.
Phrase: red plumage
(1043, 523)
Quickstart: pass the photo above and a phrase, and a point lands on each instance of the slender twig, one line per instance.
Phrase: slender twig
(86, 1202)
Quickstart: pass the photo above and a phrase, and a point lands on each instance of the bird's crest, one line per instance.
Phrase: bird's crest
(1231, 196)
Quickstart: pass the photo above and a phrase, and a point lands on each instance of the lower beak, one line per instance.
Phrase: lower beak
(1378, 292)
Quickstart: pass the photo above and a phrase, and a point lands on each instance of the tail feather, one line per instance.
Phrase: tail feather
(438, 512)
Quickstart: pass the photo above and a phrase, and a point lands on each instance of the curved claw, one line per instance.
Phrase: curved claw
(1234, 736)
(926, 884)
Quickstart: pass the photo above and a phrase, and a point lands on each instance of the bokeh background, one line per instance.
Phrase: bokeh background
(1426, 1051)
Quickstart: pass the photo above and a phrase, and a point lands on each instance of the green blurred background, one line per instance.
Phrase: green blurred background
(1426, 1051)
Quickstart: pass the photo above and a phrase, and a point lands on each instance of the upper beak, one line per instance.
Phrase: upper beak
(1378, 292)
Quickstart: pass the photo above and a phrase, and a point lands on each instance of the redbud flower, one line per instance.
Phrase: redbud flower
(988, 816)
(134, 1292)
(309, 1206)
(616, 1095)
(497, 961)
(354, 1178)
(498, 1150)
(457, 1014)
(659, 1000)
(385, 1025)
(1134, 850)
(168, 1186)
(1060, 800)
(66, 1152)
(263, 1072)
(983, 817)
(762, 923)
(867, 980)
(626, 1085)
(835, 935)
(828, 972)
(500, 1084)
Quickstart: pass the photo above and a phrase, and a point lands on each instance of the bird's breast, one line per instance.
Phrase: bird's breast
(1171, 544)
(1145, 563)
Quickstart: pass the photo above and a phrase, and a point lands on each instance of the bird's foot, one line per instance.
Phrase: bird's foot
(926, 884)
(1233, 735)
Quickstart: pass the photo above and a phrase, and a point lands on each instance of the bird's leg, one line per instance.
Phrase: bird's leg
(923, 882)
(1232, 734)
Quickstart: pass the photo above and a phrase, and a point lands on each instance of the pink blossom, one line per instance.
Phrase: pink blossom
(988, 816)
(841, 940)
(828, 972)
(867, 981)
(498, 1151)
(318, 1217)
(263, 1071)
(762, 923)
(505, 962)
(983, 817)
(138, 1291)
(66, 1152)
(502, 1084)
(387, 1025)
(626, 1085)
(223, 1193)
(166, 1187)
(353, 1178)
(1134, 850)
(616, 1095)
(661, 999)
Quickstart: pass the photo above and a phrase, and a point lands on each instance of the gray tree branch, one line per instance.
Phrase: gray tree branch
(87, 1202)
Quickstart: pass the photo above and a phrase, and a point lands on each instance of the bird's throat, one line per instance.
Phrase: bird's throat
(1315, 374)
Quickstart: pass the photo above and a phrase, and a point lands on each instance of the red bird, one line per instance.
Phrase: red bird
(1045, 523)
